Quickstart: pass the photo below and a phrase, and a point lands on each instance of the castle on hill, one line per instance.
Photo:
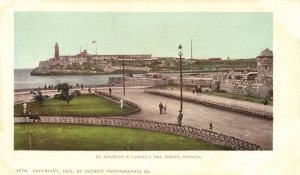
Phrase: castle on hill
(85, 57)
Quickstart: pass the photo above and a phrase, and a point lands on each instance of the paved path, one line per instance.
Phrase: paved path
(228, 101)
(253, 130)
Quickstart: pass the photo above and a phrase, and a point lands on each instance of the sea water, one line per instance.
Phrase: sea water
(23, 79)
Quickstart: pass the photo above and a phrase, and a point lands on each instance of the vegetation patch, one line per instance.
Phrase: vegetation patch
(83, 105)
(83, 137)
(176, 87)
(224, 94)
(239, 97)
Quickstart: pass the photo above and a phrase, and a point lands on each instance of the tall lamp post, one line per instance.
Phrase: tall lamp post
(180, 53)
(123, 64)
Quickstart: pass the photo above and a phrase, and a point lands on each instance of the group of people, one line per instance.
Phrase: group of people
(95, 90)
(49, 87)
(162, 108)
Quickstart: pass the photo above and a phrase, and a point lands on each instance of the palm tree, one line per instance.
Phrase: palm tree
(64, 95)
(38, 97)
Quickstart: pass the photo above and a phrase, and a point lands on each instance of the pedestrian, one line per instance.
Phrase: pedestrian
(211, 129)
(121, 103)
(24, 108)
(160, 108)
(89, 90)
(81, 86)
(198, 89)
(165, 109)
(179, 118)
(96, 90)
(109, 89)
(210, 126)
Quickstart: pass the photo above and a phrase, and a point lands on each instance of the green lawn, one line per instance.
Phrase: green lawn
(239, 97)
(84, 105)
(83, 137)
(190, 88)
(176, 86)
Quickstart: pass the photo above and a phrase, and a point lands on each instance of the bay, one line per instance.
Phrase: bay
(23, 79)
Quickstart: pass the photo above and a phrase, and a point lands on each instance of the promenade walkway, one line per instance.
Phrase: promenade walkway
(253, 130)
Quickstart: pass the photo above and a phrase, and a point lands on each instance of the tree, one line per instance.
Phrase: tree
(64, 95)
(38, 97)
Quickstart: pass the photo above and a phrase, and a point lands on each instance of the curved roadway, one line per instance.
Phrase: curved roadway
(253, 130)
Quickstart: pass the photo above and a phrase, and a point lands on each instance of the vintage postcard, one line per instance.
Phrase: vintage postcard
(129, 91)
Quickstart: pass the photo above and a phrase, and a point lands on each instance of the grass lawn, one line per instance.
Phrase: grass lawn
(190, 88)
(84, 105)
(83, 137)
(176, 86)
(239, 97)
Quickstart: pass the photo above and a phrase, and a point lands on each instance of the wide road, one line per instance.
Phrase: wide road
(254, 130)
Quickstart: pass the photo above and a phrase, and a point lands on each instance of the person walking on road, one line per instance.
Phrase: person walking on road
(165, 109)
(179, 118)
(161, 106)
(210, 126)
(109, 89)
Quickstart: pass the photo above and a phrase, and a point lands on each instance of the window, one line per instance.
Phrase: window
(266, 67)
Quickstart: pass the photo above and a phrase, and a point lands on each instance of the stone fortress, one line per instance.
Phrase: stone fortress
(256, 84)
(87, 62)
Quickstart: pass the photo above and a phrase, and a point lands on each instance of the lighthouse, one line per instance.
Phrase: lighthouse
(56, 52)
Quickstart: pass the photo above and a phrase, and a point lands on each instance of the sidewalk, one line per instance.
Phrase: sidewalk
(222, 100)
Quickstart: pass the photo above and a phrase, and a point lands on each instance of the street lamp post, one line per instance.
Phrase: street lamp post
(180, 116)
(123, 64)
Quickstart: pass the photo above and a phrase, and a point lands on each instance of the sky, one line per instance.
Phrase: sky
(234, 35)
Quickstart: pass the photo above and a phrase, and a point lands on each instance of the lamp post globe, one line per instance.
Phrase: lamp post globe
(180, 50)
